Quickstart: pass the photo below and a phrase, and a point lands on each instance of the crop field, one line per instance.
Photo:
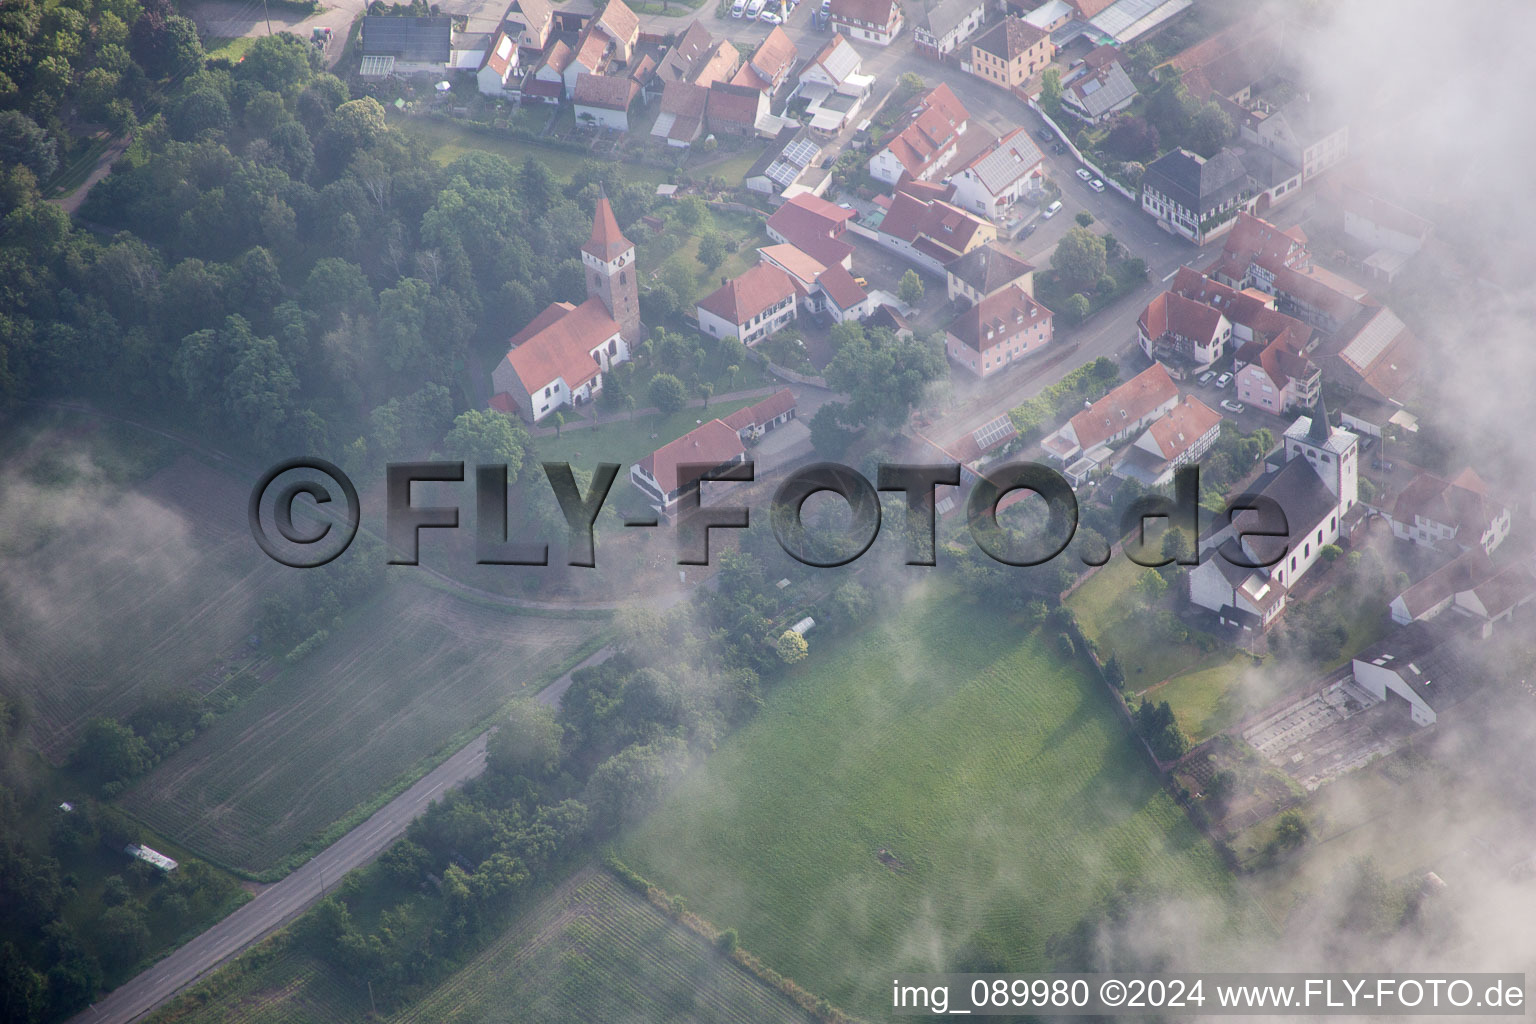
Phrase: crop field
(124, 570)
(274, 984)
(942, 778)
(592, 951)
(407, 675)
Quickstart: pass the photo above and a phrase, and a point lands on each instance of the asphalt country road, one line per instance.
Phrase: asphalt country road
(283, 901)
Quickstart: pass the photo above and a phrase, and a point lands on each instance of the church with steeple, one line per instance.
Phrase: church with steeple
(1316, 485)
(559, 358)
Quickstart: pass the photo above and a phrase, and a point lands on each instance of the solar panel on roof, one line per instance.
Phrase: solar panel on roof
(801, 151)
(991, 433)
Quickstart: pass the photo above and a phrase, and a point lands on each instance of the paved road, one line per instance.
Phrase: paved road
(280, 903)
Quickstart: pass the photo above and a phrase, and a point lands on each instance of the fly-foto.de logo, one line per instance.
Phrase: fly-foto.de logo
(332, 513)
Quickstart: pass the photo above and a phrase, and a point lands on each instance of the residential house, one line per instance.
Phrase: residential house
(1195, 197)
(1276, 375)
(1227, 65)
(605, 100)
(1388, 233)
(621, 26)
(752, 306)
(682, 60)
(396, 45)
(501, 63)
(1099, 87)
(673, 471)
(1456, 514)
(1472, 587)
(1259, 255)
(939, 28)
(928, 141)
(530, 23)
(734, 109)
(1180, 437)
(822, 289)
(1316, 487)
(1306, 133)
(681, 118)
(814, 226)
(1010, 52)
(1182, 334)
(869, 21)
(560, 357)
(932, 233)
(985, 271)
(547, 83)
(769, 66)
(1123, 413)
(1003, 327)
(754, 421)
(785, 162)
(833, 86)
(1000, 176)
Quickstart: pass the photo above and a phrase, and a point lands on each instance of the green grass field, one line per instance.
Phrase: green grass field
(628, 441)
(407, 676)
(448, 141)
(592, 951)
(995, 774)
(273, 984)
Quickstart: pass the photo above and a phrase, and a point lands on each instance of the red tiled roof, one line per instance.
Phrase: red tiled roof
(1010, 37)
(772, 407)
(1123, 406)
(609, 92)
(1089, 8)
(590, 50)
(560, 56)
(732, 104)
(558, 343)
(996, 319)
(619, 21)
(712, 444)
(759, 288)
(1460, 503)
(875, 12)
(684, 99)
(1254, 240)
(776, 54)
(719, 65)
(606, 241)
(499, 57)
(539, 87)
(809, 222)
(840, 287)
(1176, 431)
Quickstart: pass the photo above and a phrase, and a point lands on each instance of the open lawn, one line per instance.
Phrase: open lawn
(592, 951)
(231, 48)
(942, 777)
(124, 570)
(448, 141)
(406, 678)
(627, 441)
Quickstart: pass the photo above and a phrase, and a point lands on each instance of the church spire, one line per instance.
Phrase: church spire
(1319, 430)
(607, 242)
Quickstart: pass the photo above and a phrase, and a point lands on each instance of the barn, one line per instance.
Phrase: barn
(1423, 668)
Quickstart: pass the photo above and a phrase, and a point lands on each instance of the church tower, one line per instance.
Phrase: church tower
(609, 259)
(1332, 451)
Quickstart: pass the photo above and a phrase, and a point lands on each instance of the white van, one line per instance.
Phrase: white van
(1052, 210)
(738, 8)
(754, 8)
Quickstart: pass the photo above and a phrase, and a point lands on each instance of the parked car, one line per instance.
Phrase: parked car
(1059, 148)
(1026, 231)
(1044, 134)
(771, 17)
(1096, 185)
(1224, 380)
(1084, 173)
(861, 282)
(1206, 377)
(738, 8)
(1052, 210)
(1233, 407)
(754, 8)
